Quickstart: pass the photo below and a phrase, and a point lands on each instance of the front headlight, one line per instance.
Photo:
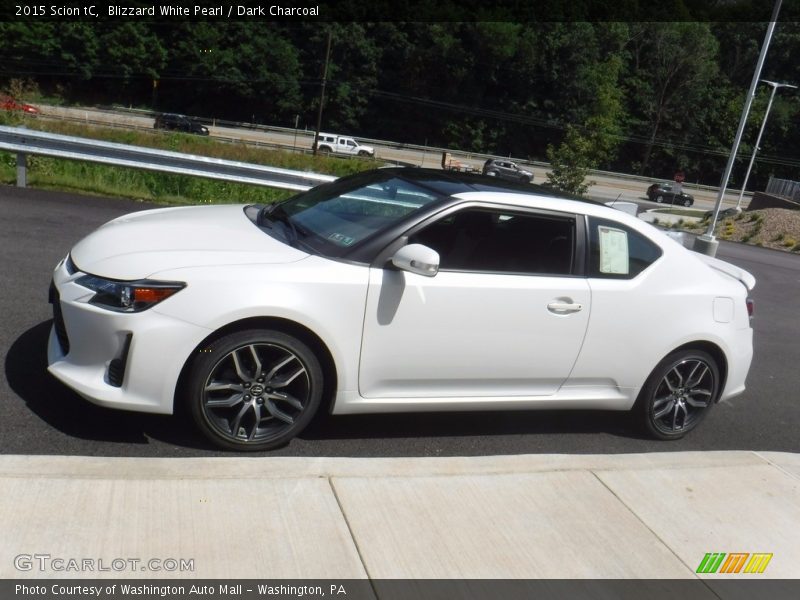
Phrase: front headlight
(128, 296)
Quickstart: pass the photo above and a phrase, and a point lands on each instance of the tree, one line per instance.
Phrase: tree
(570, 163)
(673, 65)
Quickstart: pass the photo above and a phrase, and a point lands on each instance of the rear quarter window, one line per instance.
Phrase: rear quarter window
(617, 251)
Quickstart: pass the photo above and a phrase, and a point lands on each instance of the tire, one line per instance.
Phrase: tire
(363, 153)
(659, 198)
(687, 202)
(266, 385)
(492, 173)
(678, 394)
(325, 149)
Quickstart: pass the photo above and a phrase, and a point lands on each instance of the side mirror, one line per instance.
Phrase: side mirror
(416, 258)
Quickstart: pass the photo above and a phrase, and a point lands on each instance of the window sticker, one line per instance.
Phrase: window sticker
(613, 250)
(341, 239)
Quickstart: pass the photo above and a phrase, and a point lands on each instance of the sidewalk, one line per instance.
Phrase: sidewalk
(533, 516)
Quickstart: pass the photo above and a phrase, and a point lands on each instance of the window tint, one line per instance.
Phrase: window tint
(618, 252)
(332, 218)
(502, 241)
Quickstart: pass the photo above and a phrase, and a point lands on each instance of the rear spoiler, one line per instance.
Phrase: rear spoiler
(725, 267)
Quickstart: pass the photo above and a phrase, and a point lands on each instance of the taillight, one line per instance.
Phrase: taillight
(750, 308)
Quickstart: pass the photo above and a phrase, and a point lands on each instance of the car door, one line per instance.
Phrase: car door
(347, 146)
(506, 171)
(504, 316)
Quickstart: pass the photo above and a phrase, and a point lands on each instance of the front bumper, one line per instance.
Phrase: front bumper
(120, 360)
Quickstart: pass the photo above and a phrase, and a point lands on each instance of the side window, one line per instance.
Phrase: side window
(618, 252)
(500, 241)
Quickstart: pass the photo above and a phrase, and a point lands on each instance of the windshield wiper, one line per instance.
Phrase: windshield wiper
(277, 214)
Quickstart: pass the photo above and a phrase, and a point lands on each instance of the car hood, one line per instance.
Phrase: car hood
(142, 244)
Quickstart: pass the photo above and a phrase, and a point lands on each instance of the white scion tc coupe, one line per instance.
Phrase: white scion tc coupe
(397, 290)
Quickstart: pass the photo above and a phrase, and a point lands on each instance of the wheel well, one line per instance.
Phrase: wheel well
(716, 353)
(304, 334)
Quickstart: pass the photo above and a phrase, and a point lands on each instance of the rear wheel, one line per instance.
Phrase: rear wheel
(492, 173)
(659, 198)
(254, 390)
(678, 394)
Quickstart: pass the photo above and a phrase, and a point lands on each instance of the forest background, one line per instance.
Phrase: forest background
(649, 98)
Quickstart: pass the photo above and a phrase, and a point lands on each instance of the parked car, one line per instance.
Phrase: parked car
(668, 192)
(506, 169)
(342, 144)
(397, 290)
(8, 103)
(174, 122)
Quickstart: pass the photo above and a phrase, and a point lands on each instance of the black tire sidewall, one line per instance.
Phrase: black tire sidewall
(210, 355)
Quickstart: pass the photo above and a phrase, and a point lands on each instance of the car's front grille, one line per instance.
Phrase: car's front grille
(58, 319)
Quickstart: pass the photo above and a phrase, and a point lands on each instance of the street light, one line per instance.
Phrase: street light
(775, 87)
(707, 243)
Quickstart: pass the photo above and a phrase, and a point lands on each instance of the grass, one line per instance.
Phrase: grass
(164, 188)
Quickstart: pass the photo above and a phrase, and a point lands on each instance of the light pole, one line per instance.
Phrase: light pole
(775, 87)
(707, 243)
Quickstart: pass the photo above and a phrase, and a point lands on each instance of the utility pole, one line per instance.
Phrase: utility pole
(322, 93)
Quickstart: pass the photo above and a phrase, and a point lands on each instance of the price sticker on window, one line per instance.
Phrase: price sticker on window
(613, 251)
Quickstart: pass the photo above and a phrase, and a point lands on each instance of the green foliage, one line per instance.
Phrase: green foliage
(653, 96)
(570, 163)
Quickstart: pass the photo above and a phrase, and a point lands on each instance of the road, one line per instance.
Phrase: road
(40, 416)
(603, 187)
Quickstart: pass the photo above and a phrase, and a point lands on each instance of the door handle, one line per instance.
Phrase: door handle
(564, 308)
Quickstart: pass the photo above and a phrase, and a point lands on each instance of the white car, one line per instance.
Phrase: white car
(397, 290)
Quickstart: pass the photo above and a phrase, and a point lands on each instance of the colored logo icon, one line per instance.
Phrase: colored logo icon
(735, 562)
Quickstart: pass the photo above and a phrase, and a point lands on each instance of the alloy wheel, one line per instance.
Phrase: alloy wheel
(680, 399)
(257, 394)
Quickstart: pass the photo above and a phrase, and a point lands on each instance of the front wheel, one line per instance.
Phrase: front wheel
(363, 153)
(678, 394)
(687, 202)
(254, 390)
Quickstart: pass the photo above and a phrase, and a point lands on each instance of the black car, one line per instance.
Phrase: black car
(668, 192)
(505, 169)
(173, 122)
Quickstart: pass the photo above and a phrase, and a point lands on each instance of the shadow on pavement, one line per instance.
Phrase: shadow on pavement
(66, 411)
(470, 424)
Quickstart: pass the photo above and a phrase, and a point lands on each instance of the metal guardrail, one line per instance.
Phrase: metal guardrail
(25, 141)
(784, 188)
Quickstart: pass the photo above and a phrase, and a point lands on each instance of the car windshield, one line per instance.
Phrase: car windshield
(331, 219)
